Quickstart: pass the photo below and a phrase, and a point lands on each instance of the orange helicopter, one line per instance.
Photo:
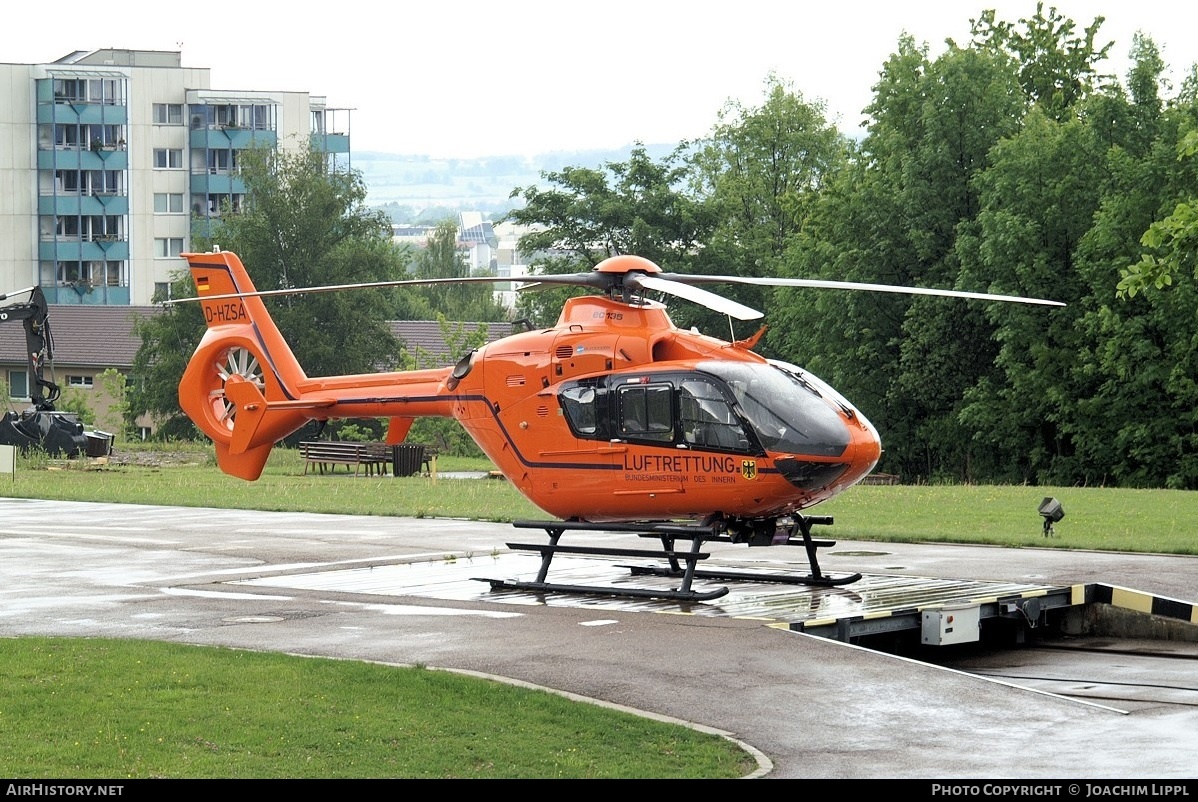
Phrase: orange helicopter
(613, 419)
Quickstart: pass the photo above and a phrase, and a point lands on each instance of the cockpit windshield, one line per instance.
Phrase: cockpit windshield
(786, 414)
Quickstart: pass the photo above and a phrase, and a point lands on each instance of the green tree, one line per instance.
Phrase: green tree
(440, 259)
(1135, 390)
(1061, 206)
(75, 401)
(1057, 68)
(892, 218)
(585, 215)
(858, 232)
(1039, 199)
(307, 226)
(302, 226)
(945, 345)
(1170, 243)
(114, 388)
(906, 213)
(760, 173)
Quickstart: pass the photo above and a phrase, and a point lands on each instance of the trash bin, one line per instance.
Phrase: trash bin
(406, 459)
(98, 444)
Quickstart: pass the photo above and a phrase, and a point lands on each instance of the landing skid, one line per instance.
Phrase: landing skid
(750, 576)
(680, 564)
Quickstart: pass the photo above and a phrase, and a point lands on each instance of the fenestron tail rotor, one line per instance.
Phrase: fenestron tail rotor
(239, 362)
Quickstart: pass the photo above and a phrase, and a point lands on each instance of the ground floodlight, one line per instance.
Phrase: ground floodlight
(1051, 511)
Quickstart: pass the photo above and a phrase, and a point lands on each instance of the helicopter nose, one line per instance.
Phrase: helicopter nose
(864, 451)
(854, 463)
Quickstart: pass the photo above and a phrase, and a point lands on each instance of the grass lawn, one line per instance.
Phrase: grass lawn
(110, 709)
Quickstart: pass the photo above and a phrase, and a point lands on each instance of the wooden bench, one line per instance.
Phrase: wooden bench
(328, 454)
(428, 465)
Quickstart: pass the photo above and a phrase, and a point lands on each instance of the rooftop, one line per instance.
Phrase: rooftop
(103, 336)
(84, 336)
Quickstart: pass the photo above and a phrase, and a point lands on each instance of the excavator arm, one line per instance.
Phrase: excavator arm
(39, 344)
(57, 433)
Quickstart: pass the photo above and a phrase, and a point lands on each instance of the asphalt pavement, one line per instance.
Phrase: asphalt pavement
(810, 707)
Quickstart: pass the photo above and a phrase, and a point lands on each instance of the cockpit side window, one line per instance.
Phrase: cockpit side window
(684, 410)
(706, 419)
(582, 409)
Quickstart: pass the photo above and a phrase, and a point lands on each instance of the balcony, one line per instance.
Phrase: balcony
(76, 250)
(330, 143)
(84, 113)
(231, 137)
(216, 181)
(96, 204)
(82, 293)
(74, 158)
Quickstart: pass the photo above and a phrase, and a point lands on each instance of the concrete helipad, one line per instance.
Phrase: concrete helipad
(404, 591)
(465, 579)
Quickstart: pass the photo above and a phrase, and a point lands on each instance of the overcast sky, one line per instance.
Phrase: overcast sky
(467, 78)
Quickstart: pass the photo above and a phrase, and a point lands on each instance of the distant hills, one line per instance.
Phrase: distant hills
(409, 184)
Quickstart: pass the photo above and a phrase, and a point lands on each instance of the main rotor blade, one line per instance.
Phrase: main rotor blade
(547, 281)
(852, 285)
(689, 292)
(342, 287)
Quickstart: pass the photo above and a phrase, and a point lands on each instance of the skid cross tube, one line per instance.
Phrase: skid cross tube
(666, 531)
(783, 535)
(679, 563)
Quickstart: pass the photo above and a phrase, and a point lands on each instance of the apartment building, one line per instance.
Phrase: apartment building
(110, 160)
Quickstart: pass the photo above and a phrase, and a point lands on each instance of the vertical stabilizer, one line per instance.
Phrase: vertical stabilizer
(240, 387)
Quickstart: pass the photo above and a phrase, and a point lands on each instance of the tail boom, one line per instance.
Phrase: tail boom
(244, 388)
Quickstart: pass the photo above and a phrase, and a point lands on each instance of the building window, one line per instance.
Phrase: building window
(162, 292)
(69, 90)
(66, 136)
(168, 203)
(18, 385)
(89, 90)
(167, 247)
(221, 162)
(82, 382)
(92, 228)
(215, 205)
(168, 113)
(67, 227)
(89, 182)
(168, 159)
(73, 273)
(114, 273)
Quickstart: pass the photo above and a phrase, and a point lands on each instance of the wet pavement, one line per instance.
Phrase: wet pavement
(406, 591)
